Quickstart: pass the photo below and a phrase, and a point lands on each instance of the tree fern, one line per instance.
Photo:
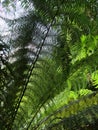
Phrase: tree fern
(52, 52)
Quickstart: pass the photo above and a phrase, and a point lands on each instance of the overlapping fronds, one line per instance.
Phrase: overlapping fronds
(52, 61)
(78, 114)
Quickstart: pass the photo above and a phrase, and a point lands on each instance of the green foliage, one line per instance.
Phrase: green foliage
(47, 80)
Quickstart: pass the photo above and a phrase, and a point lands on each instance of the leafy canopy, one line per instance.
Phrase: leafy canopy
(49, 67)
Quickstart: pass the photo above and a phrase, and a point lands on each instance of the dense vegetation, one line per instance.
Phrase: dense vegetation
(49, 66)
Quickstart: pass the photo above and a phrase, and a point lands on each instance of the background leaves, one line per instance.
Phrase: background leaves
(49, 72)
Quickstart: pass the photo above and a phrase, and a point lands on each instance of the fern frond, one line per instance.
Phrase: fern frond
(43, 68)
(79, 113)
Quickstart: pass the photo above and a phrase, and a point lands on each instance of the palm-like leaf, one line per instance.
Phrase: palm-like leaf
(51, 48)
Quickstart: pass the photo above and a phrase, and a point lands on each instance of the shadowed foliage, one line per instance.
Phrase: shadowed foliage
(49, 67)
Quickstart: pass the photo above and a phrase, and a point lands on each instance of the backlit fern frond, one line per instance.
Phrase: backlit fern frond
(78, 114)
(51, 53)
(23, 58)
